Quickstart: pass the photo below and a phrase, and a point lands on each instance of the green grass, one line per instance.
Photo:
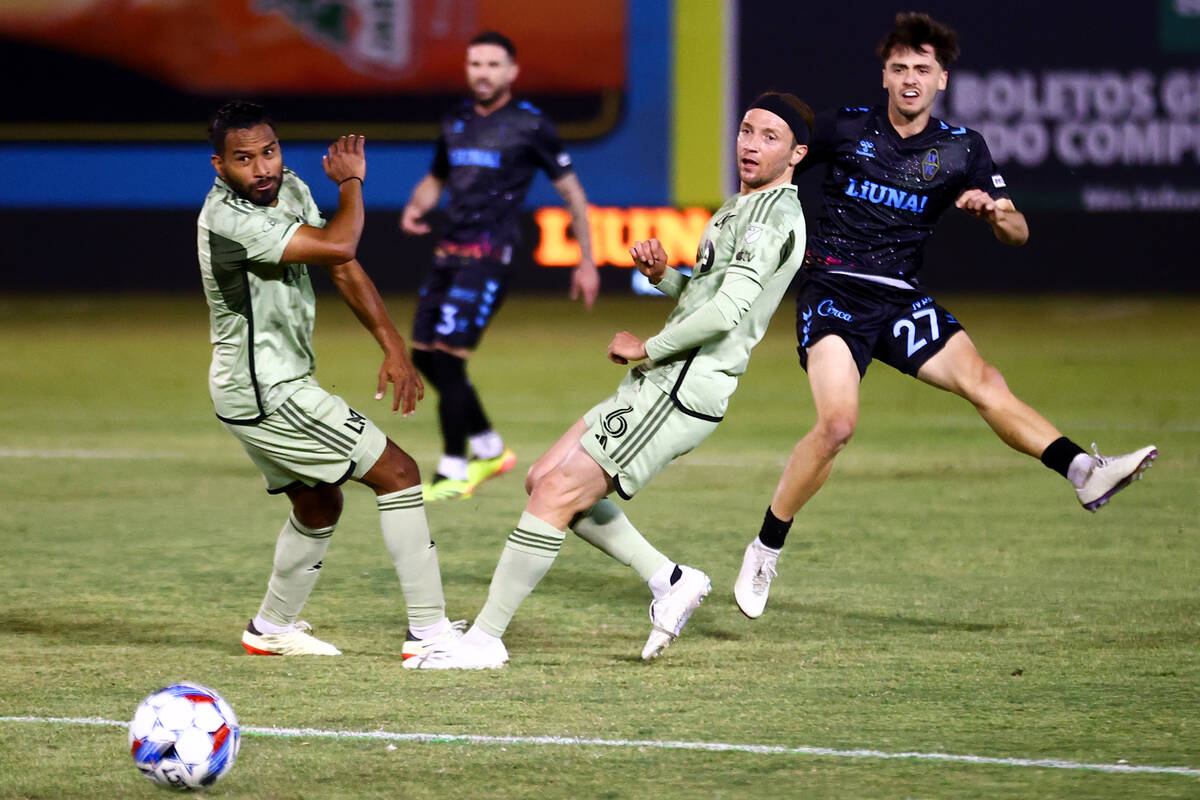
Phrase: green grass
(941, 594)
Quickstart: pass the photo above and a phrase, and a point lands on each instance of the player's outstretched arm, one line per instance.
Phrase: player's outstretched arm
(585, 278)
(360, 294)
(424, 197)
(1008, 224)
(337, 242)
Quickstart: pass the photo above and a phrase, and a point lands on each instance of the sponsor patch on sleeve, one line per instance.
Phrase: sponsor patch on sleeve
(998, 181)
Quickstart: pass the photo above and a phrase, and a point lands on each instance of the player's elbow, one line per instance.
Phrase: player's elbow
(337, 251)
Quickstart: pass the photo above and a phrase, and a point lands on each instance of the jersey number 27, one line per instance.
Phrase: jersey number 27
(909, 326)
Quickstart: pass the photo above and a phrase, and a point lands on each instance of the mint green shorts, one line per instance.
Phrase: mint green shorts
(314, 437)
(638, 431)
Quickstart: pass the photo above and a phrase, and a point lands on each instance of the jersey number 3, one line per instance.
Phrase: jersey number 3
(909, 326)
(448, 323)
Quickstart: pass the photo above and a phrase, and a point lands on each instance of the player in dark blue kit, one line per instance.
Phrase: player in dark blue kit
(892, 171)
(489, 150)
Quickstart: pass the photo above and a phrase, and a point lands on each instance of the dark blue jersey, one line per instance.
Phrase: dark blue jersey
(884, 194)
(488, 163)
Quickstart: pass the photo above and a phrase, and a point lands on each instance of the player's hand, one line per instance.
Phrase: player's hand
(412, 222)
(650, 259)
(626, 347)
(585, 283)
(977, 203)
(407, 387)
(346, 159)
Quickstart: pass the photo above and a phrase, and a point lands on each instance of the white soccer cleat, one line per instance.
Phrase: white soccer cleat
(669, 613)
(455, 654)
(753, 582)
(294, 642)
(414, 647)
(1111, 474)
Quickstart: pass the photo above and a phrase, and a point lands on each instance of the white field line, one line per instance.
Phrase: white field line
(649, 744)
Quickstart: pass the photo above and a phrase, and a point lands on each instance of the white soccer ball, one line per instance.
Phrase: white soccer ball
(184, 736)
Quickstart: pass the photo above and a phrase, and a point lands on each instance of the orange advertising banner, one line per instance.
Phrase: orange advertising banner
(345, 47)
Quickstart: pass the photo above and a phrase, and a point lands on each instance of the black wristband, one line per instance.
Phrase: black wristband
(352, 178)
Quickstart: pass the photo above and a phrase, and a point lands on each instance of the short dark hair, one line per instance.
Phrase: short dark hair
(913, 30)
(496, 38)
(237, 115)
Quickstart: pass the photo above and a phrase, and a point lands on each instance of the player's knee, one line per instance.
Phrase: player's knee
(835, 430)
(403, 468)
(393, 472)
(319, 506)
(557, 489)
(450, 370)
(423, 361)
(988, 386)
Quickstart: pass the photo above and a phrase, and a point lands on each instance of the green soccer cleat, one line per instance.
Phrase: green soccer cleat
(446, 489)
(484, 469)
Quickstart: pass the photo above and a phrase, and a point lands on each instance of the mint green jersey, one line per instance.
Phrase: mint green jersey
(748, 255)
(261, 312)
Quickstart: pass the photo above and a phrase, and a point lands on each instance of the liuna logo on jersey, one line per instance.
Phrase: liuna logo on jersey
(879, 194)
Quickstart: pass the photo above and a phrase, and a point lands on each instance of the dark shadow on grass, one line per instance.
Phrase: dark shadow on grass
(933, 625)
(93, 631)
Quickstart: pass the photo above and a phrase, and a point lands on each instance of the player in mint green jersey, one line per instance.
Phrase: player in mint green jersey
(258, 234)
(668, 403)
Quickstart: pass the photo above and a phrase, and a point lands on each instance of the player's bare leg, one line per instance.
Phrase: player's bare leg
(959, 368)
(833, 378)
(557, 453)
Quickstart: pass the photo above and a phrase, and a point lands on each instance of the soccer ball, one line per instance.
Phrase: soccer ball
(184, 736)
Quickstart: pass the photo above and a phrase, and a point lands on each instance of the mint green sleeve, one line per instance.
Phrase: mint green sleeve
(715, 318)
(673, 283)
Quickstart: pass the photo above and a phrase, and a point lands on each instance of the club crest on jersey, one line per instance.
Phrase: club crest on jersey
(930, 165)
(705, 255)
(866, 148)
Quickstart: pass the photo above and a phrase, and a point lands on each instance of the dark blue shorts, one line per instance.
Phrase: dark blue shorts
(458, 300)
(901, 328)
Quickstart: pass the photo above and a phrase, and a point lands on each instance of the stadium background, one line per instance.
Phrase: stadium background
(1092, 108)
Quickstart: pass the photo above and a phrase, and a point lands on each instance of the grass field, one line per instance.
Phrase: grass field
(942, 595)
